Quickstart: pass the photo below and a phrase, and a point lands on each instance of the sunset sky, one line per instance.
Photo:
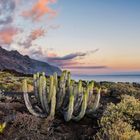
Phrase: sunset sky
(84, 36)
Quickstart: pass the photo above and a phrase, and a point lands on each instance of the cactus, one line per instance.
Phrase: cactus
(61, 92)
(91, 98)
(43, 73)
(35, 81)
(65, 75)
(69, 112)
(97, 99)
(94, 102)
(50, 88)
(55, 80)
(78, 92)
(41, 88)
(66, 96)
(44, 94)
(79, 86)
(68, 79)
(53, 102)
(38, 74)
(83, 107)
(27, 101)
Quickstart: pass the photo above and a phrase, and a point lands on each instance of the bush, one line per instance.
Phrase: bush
(117, 120)
(118, 130)
(119, 89)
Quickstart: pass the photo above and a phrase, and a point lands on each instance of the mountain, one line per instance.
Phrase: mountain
(13, 60)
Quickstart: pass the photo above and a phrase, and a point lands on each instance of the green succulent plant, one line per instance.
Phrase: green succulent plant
(74, 100)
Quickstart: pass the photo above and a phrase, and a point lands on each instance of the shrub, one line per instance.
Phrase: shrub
(119, 89)
(118, 130)
(117, 120)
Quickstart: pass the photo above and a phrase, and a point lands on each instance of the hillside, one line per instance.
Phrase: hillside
(13, 60)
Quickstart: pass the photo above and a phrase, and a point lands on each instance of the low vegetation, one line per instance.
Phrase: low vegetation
(115, 117)
(121, 121)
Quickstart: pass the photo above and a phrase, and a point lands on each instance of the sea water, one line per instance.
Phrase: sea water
(109, 78)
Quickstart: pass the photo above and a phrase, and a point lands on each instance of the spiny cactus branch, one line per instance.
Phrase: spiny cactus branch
(28, 103)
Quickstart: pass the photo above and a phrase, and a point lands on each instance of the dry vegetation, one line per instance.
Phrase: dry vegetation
(118, 116)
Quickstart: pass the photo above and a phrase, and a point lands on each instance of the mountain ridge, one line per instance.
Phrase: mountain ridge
(13, 60)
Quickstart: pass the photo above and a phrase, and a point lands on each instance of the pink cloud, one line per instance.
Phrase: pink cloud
(52, 55)
(37, 33)
(39, 9)
(7, 34)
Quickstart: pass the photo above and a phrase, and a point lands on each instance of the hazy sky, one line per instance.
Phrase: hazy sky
(84, 36)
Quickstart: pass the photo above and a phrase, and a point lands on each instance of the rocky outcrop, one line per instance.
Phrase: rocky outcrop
(13, 60)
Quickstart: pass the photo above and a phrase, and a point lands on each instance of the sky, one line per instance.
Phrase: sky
(83, 36)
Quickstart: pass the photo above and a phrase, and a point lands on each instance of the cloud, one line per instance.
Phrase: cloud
(7, 34)
(71, 56)
(70, 60)
(39, 9)
(7, 8)
(85, 67)
(35, 34)
(49, 56)
(9, 27)
(54, 27)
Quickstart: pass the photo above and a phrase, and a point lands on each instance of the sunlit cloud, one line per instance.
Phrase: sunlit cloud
(85, 67)
(9, 29)
(39, 9)
(71, 59)
(72, 56)
(7, 34)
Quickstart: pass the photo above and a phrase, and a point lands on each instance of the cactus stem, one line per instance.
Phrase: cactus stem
(27, 101)
(53, 102)
(83, 107)
(69, 112)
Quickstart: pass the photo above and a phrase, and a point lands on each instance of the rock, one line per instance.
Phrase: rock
(13, 60)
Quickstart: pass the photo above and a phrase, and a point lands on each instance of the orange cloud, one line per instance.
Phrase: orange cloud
(40, 9)
(52, 55)
(7, 34)
(37, 33)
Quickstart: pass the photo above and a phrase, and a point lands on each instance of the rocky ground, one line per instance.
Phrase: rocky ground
(23, 126)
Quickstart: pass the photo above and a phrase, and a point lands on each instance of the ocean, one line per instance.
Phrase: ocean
(110, 78)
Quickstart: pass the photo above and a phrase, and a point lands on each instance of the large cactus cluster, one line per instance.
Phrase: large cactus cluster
(72, 99)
